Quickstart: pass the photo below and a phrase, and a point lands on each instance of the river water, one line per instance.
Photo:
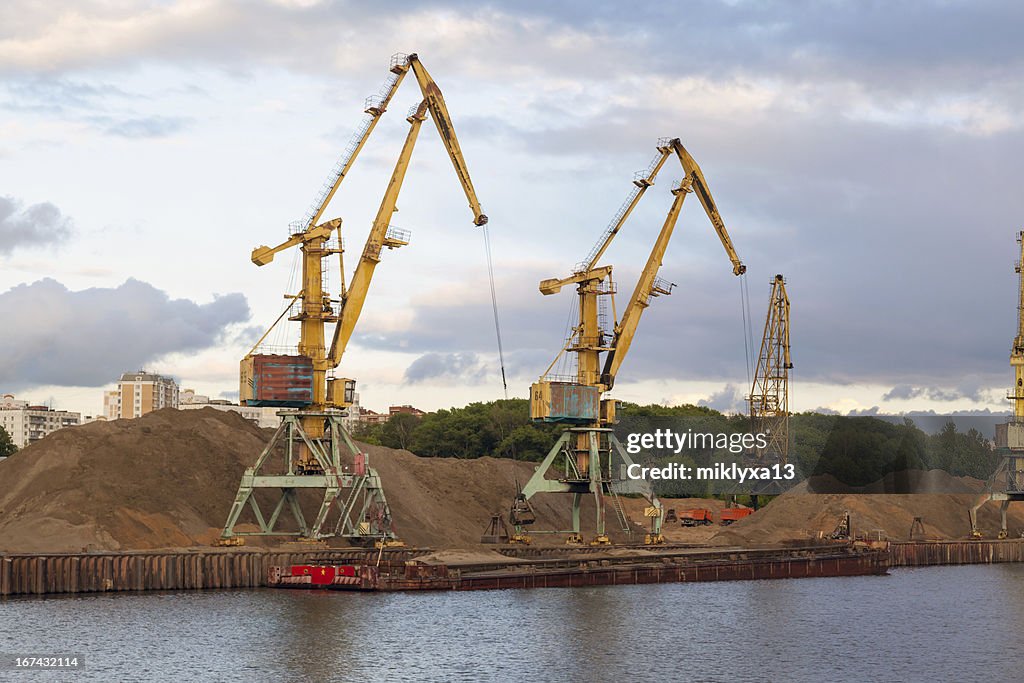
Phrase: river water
(929, 624)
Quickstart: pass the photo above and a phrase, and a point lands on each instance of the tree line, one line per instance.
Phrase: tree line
(854, 450)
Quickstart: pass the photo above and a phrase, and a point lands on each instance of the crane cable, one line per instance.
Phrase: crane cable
(501, 353)
(748, 333)
(494, 307)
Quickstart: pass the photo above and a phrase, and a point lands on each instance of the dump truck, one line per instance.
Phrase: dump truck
(730, 515)
(695, 517)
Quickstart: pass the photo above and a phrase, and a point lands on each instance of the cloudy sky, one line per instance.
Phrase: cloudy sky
(868, 151)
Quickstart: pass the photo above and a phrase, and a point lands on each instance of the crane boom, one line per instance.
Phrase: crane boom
(375, 108)
(439, 113)
(642, 183)
(700, 185)
(356, 290)
(646, 287)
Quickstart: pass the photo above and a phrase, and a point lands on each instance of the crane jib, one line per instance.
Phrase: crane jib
(705, 197)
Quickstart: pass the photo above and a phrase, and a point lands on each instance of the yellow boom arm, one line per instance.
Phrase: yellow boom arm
(439, 112)
(645, 288)
(700, 186)
(355, 295)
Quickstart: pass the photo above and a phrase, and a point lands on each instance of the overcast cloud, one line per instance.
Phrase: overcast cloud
(36, 225)
(868, 151)
(55, 336)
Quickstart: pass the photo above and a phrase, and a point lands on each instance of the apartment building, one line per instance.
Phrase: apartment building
(261, 415)
(28, 423)
(139, 393)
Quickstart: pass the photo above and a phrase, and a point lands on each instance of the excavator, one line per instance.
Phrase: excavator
(311, 434)
(590, 455)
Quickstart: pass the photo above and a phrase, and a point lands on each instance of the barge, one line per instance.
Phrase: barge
(672, 566)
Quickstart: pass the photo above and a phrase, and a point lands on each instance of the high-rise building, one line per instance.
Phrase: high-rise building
(140, 393)
(28, 423)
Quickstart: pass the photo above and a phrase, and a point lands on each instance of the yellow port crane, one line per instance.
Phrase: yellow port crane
(312, 436)
(588, 449)
(769, 394)
(1007, 483)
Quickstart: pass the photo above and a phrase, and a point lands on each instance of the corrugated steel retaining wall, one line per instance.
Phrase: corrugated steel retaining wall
(34, 574)
(926, 553)
(24, 574)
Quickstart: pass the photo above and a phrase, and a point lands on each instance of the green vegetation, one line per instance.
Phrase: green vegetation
(854, 450)
(7, 446)
(860, 450)
(501, 429)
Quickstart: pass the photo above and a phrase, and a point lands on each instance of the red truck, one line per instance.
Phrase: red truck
(730, 515)
(695, 517)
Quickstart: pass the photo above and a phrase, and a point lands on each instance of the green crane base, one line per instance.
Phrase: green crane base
(352, 506)
(604, 475)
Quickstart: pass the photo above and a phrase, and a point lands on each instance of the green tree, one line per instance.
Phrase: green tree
(368, 433)
(7, 446)
(961, 454)
(397, 431)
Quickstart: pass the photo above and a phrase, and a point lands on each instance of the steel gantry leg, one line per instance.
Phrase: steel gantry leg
(270, 473)
(606, 462)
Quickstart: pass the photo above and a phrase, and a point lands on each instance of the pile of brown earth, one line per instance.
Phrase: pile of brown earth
(164, 480)
(802, 516)
(168, 480)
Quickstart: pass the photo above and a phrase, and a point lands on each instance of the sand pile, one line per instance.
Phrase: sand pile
(163, 480)
(454, 558)
(798, 515)
(168, 480)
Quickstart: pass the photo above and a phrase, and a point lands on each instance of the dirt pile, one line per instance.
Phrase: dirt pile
(168, 480)
(798, 515)
(163, 480)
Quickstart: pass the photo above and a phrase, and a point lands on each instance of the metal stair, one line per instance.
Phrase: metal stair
(620, 513)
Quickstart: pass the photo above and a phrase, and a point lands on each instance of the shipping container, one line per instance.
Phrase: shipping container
(565, 402)
(276, 380)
